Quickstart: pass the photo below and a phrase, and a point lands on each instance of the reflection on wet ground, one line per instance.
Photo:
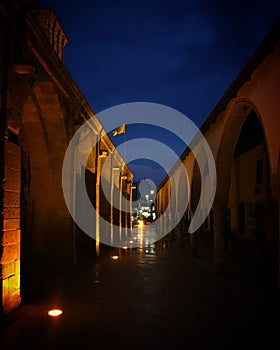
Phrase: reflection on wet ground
(146, 239)
(149, 297)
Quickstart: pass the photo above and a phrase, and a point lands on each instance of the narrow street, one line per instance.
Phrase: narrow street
(152, 297)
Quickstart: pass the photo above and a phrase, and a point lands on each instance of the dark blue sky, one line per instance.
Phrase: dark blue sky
(183, 54)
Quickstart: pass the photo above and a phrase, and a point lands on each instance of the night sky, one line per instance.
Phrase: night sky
(183, 54)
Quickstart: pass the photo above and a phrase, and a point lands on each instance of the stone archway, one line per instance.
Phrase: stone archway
(235, 120)
(183, 197)
(47, 236)
(33, 195)
(198, 199)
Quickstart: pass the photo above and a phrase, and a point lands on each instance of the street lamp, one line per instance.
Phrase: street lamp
(103, 154)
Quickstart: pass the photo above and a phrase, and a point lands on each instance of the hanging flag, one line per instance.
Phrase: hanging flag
(120, 130)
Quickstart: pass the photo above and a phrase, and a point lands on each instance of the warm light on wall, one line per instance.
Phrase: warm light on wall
(115, 257)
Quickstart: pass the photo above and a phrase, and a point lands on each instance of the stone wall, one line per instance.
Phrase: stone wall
(10, 260)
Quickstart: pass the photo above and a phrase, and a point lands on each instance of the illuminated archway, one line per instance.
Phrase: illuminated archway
(46, 232)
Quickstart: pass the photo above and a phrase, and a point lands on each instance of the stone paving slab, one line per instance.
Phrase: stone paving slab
(147, 300)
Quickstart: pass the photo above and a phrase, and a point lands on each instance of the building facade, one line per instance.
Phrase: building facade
(41, 109)
(243, 134)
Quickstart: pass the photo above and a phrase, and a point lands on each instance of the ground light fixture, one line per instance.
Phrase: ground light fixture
(55, 312)
(114, 257)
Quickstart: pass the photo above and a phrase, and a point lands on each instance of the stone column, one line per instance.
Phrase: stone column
(193, 241)
(276, 195)
(219, 235)
(111, 204)
(125, 207)
(279, 243)
(13, 93)
(56, 31)
(120, 209)
(130, 206)
(114, 205)
(194, 244)
(10, 259)
(97, 203)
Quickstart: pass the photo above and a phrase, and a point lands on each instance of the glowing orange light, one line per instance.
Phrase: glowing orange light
(130, 241)
(115, 257)
(55, 312)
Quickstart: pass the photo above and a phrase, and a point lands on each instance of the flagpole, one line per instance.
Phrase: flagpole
(122, 130)
(125, 147)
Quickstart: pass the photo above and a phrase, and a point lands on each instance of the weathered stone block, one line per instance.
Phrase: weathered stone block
(10, 237)
(12, 161)
(12, 174)
(12, 148)
(12, 184)
(18, 236)
(11, 213)
(11, 301)
(11, 199)
(17, 267)
(11, 224)
(10, 253)
(5, 287)
(8, 269)
(14, 283)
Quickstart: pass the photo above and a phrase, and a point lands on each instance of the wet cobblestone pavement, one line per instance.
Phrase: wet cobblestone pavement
(150, 298)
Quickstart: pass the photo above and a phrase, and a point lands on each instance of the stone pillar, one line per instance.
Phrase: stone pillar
(111, 204)
(279, 242)
(194, 244)
(97, 203)
(115, 205)
(276, 195)
(219, 235)
(130, 207)
(10, 260)
(60, 45)
(120, 205)
(56, 31)
(125, 207)
(193, 240)
(178, 228)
